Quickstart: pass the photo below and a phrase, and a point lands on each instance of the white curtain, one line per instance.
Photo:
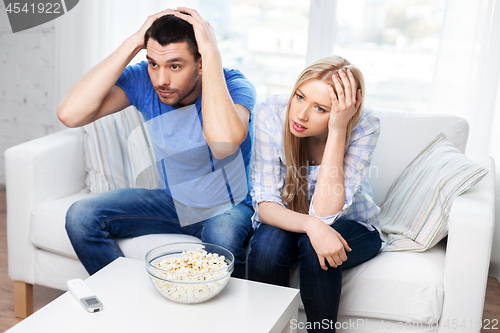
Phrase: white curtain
(467, 68)
(466, 83)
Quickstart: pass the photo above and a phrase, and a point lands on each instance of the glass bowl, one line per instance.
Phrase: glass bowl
(186, 286)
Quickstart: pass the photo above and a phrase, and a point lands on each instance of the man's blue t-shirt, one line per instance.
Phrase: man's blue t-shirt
(200, 185)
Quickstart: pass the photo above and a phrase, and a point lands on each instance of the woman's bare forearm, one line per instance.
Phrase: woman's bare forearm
(281, 217)
(329, 193)
(323, 237)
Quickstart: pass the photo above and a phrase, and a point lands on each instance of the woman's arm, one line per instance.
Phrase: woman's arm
(329, 194)
(281, 217)
(326, 241)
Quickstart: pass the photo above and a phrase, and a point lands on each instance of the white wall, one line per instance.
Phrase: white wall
(495, 152)
(27, 85)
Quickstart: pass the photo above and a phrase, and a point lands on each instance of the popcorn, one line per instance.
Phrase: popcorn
(195, 266)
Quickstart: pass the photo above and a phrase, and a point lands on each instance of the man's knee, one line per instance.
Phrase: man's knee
(232, 228)
(80, 217)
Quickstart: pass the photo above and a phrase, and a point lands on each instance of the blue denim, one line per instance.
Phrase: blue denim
(274, 251)
(94, 222)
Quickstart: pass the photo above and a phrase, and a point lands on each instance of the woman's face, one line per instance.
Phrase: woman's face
(310, 110)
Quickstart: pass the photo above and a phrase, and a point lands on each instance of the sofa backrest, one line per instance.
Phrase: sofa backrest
(118, 153)
(403, 135)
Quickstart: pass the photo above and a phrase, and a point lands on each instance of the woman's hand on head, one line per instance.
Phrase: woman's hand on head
(329, 245)
(346, 102)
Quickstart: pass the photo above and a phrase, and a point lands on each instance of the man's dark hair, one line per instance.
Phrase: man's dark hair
(170, 29)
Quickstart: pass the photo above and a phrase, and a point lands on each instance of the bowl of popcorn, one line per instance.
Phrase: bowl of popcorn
(189, 272)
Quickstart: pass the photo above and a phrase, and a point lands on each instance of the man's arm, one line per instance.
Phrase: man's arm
(225, 124)
(95, 95)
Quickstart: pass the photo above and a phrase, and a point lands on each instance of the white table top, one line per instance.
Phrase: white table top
(132, 304)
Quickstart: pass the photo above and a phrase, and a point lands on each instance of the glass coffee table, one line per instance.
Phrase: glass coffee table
(132, 304)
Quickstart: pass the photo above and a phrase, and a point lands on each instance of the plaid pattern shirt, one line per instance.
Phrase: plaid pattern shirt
(268, 165)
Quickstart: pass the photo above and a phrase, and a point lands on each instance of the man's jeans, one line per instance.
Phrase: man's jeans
(94, 222)
(274, 251)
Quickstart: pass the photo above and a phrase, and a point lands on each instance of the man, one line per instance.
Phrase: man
(201, 141)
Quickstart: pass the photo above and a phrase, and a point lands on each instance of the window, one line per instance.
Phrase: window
(394, 42)
(266, 40)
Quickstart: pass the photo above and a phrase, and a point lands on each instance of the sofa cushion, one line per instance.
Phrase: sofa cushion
(47, 232)
(415, 212)
(138, 247)
(403, 135)
(400, 286)
(47, 229)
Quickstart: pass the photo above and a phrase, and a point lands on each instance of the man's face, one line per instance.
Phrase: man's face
(174, 73)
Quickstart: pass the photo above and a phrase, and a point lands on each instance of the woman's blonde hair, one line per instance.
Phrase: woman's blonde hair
(295, 190)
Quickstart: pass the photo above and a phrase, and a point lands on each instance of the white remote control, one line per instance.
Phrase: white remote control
(84, 295)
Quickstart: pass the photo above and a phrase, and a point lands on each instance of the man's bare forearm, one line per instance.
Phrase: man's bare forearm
(223, 126)
(82, 102)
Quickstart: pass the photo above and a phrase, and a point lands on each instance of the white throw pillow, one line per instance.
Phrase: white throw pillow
(116, 149)
(415, 211)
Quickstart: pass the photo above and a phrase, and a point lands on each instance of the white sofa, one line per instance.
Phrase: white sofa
(439, 290)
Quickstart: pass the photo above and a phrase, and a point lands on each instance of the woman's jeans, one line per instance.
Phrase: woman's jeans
(274, 251)
(94, 222)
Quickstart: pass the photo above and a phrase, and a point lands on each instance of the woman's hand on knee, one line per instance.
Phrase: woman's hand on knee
(329, 245)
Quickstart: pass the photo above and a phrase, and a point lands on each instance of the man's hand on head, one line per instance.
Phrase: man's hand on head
(203, 31)
(139, 35)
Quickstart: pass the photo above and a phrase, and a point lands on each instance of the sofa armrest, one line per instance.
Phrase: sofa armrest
(40, 170)
(468, 254)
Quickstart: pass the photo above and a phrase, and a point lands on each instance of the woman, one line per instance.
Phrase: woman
(312, 201)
